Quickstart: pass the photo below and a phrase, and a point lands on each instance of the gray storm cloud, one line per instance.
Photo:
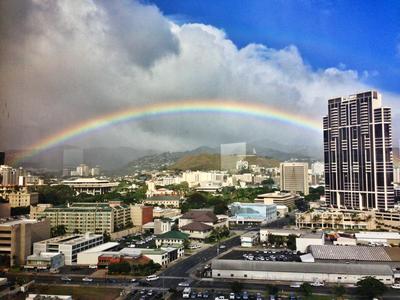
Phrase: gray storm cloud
(65, 61)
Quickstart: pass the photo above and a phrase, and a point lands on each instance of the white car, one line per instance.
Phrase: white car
(152, 278)
(133, 280)
(65, 278)
(232, 296)
(220, 298)
(87, 279)
(317, 283)
(295, 285)
(396, 286)
(92, 266)
(183, 284)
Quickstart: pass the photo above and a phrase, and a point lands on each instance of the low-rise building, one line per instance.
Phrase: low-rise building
(278, 198)
(69, 245)
(250, 239)
(172, 213)
(91, 186)
(307, 239)
(45, 261)
(252, 213)
(378, 237)
(91, 255)
(171, 238)
(18, 235)
(162, 226)
(197, 230)
(173, 201)
(336, 273)
(265, 232)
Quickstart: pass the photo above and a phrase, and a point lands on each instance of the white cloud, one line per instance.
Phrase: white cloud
(72, 60)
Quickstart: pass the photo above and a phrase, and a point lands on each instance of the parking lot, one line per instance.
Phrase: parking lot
(263, 255)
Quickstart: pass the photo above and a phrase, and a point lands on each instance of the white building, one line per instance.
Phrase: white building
(250, 239)
(307, 239)
(317, 168)
(337, 273)
(91, 186)
(69, 245)
(376, 237)
(90, 256)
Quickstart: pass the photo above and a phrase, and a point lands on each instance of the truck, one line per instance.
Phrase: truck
(186, 292)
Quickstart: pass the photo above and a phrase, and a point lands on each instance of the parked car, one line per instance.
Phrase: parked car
(87, 279)
(396, 286)
(295, 285)
(184, 284)
(64, 278)
(232, 296)
(317, 283)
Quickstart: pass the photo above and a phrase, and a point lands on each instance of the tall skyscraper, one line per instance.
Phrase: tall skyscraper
(358, 152)
(294, 177)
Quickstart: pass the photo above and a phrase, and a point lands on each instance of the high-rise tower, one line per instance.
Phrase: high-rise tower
(358, 152)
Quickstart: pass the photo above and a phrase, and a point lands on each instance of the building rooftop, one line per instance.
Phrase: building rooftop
(103, 247)
(312, 235)
(377, 235)
(205, 216)
(173, 235)
(164, 198)
(276, 194)
(302, 267)
(71, 239)
(197, 226)
(348, 253)
(16, 221)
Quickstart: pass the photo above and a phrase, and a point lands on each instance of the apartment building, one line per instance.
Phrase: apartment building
(141, 214)
(19, 197)
(89, 217)
(18, 235)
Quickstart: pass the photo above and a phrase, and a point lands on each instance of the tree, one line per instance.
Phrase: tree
(106, 237)
(57, 230)
(272, 289)
(370, 287)
(291, 242)
(338, 291)
(186, 244)
(236, 287)
(119, 268)
(306, 289)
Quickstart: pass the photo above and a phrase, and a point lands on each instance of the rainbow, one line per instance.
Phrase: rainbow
(166, 108)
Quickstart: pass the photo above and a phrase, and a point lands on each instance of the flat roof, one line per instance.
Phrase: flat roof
(377, 235)
(312, 235)
(302, 267)
(102, 247)
(7, 222)
(70, 239)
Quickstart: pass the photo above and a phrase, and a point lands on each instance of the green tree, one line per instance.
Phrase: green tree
(236, 287)
(272, 289)
(57, 230)
(106, 237)
(291, 242)
(306, 289)
(370, 287)
(338, 291)
(119, 268)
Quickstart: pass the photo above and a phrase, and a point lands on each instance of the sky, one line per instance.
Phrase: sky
(64, 62)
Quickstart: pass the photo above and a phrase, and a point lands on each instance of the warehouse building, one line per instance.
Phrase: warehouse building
(299, 271)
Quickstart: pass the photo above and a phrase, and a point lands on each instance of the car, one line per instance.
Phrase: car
(295, 285)
(142, 292)
(152, 277)
(232, 296)
(245, 295)
(199, 295)
(205, 295)
(317, 283)
(193, 295)
(396, 286)
(150, 293)
(220, 298)
(92, 266)
(222, 246)
(64, 278)
(133, 280)
(87, 279)
(271, 297)
(184, 284)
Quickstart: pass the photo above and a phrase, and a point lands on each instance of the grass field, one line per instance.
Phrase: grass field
(78, 293)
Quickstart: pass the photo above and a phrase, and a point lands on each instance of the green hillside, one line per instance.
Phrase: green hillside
(206, 162)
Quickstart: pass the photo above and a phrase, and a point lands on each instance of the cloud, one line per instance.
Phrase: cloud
(66, 61)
